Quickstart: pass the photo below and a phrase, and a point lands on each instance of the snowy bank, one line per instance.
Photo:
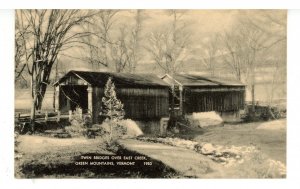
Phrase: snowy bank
(273, 125)
(206, 119)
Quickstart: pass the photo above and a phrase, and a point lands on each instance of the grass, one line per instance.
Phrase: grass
(44, 157)
(39, 152)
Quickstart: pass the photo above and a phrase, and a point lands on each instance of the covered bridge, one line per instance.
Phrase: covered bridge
(194, 93)
(145, 96)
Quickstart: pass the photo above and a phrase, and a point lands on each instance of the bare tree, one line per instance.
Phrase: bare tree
(245, 49)
(210, 51)
(168, 47)
(117, 48)
(99, 40)
(134, 42)
(19, 51)
(258, 43)
(49, 33)
(273, 27)
(270, 22)
(242, 54)
(119, 51)
(233, 54)
(123, 48)
(21, 35)
(275, 77)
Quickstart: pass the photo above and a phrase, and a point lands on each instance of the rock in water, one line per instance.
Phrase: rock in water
(207, 149)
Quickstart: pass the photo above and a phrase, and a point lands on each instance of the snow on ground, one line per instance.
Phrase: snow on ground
(132, 129)
(273, 125)
(32, 144)
(229, 156)
(206, 119)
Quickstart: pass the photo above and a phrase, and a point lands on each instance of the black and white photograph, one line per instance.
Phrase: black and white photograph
(150, 93)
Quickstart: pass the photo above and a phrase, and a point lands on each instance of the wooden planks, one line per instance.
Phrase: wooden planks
(139, 103)
(196, 101)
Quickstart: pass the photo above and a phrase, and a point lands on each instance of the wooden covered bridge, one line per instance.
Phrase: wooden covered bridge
(194, 93)
(145, 96)
(148, 97)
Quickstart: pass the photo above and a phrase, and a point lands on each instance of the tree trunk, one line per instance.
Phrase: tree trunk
(111, 122)
(172, 113)
(32, 113)
(54, 93)
(39, 81)
(40, 96)
(105, 49)
(54, 98)
(253, 97)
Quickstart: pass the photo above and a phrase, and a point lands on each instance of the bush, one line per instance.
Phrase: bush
(121, 129)
(257, 165)
(85, 120)
(115, 130)
(80, 124)
(60, 133)
(97, 130)
(75, 130)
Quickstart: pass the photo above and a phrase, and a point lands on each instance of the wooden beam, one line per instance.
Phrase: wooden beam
(90, 103)
(90, 98)
(217, 89)
(56, 100)
(181, 101)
